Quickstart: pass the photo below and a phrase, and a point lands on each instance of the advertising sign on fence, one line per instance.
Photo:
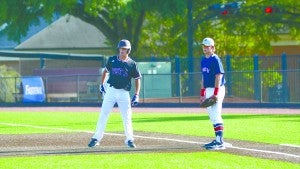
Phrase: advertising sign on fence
(33, 89)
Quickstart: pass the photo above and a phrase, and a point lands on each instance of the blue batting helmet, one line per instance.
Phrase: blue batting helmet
(124, 44)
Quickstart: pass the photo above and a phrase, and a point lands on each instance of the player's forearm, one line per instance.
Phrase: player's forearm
(137, 86)
(202, 83)
(103, 76)
(217, 84)
(217, 80)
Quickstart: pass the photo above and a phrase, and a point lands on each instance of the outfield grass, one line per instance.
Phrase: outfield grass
(276, 129)
(198, 160)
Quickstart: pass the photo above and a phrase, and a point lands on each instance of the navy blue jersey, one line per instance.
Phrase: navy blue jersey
(121, 72)
(209, 68)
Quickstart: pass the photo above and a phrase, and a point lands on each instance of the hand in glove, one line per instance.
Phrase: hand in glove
(135, 100)
(102, 89)
(209, 101)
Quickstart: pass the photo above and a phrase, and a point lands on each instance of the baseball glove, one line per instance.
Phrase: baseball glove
(209, 102)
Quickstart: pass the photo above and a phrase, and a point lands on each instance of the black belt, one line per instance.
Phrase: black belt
(110, 85)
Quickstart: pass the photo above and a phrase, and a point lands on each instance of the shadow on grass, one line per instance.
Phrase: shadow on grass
(179, 118)
(294, 118)
(257, 116)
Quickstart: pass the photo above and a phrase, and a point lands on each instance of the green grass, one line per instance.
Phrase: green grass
(207, 160)
(81, 121)
(258, 128)
(274, 129)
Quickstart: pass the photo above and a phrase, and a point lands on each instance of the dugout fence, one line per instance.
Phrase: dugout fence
(76, 78)
(244, 88)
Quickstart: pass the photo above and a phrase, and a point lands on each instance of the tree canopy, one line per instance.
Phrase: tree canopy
(160, 28)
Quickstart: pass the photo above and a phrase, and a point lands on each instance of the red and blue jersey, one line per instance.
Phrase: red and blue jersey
(209, 68)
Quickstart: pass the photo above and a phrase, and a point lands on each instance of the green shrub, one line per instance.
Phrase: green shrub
(8, 80)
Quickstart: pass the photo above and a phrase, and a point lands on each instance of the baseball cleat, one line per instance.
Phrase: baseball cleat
(209, 144)
(93, 143)
(214, 145)
(130, 144)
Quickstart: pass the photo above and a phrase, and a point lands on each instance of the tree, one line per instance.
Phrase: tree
(243, 30)
(8, 79)
(116, 19)
(248, 30)
(161, 27)
(168, 38)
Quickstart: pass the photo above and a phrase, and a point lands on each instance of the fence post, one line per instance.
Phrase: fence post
(177, 73)
(191, 75)
(257, 80)
(190, 47)
(143, 88)
(77, 88)
(179, 88)
(284, 77)
(42, 63)
(228, 73)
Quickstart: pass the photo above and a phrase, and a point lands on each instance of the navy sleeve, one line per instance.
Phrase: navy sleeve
(108, 65)
(136, 74)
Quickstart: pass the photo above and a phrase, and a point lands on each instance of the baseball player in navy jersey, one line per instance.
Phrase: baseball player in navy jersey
(121, 69)
(212, 85)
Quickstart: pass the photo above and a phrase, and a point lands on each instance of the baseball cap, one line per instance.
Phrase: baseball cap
(208, 42)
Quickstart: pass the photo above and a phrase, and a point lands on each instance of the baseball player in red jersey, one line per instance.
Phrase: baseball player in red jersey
(212, 85)
(121, 69)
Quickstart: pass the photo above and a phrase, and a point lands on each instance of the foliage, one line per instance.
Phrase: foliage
(8, 81)
(160, 28)
(248, 30)
(271, 78)
(165, 39)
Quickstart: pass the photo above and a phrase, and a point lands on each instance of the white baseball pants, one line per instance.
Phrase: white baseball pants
(122, 98)
(215, 111)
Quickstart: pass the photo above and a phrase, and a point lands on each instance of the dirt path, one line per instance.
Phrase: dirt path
(76, 143)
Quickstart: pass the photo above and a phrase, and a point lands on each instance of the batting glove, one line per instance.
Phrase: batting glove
(135, 100)
(102, 89)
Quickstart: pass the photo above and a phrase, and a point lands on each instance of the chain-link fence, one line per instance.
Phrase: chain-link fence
(176, 79)
(242, 86)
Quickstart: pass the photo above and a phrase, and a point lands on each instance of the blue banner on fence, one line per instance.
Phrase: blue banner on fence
(33, 88)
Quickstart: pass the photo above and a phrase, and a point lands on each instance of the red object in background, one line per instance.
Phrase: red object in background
(225, 12)
(268, 9)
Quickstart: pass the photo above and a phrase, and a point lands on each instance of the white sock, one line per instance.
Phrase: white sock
(219, 139)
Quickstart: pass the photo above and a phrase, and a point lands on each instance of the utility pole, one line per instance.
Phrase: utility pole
(190, 47)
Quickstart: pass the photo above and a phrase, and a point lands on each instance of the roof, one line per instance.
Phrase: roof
(23, 54)
(67, 32)
(6, 43)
